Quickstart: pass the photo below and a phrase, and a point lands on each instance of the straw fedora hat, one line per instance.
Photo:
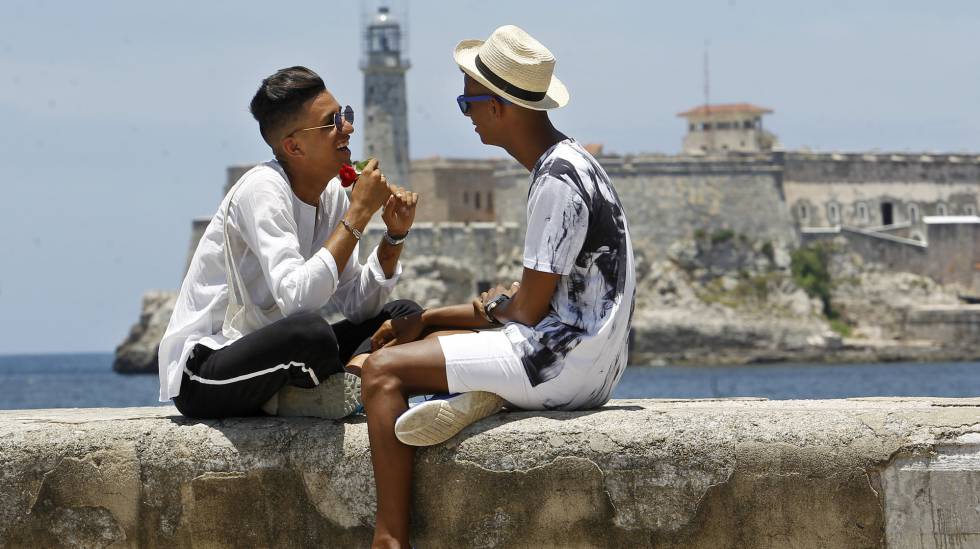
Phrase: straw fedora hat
(515, 66)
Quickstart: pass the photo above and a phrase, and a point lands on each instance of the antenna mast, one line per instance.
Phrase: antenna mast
(709, 125)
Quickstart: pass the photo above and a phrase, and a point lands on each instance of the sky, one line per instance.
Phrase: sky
(118, 118)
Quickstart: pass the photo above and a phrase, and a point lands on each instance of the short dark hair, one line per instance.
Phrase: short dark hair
(281, 96)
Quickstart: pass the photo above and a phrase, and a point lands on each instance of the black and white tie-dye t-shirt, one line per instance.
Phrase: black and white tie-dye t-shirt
(576, 228)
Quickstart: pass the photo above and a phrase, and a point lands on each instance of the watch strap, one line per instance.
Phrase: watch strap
(395, 240)
(492, 305)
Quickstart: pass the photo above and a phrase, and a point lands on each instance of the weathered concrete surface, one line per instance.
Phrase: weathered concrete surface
(637, 473)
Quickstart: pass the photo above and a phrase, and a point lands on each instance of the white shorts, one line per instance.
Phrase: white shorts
(486, 361)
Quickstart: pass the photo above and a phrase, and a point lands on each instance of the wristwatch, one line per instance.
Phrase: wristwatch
(395, 240)
(492, 305)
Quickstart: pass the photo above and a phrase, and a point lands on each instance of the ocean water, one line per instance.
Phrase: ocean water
(87, 380)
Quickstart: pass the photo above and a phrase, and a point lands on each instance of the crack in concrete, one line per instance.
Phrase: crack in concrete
(971, 427)
(526, 471)
(867, 477)
(874, 431)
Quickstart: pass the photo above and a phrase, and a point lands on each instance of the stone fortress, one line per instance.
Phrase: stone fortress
(902, 212)
(915, 212)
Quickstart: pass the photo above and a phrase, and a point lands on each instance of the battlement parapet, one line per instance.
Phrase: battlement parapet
(882, 167)
(796, 165)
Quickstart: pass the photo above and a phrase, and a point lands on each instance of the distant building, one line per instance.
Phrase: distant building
(735, 127)
(891, 193)
(455, 189)
(385, 121)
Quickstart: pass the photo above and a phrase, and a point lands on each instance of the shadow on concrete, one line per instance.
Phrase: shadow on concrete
(281, 476)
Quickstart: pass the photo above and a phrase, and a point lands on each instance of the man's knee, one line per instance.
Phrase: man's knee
(402, 307)
(308, 330)
(378, 375)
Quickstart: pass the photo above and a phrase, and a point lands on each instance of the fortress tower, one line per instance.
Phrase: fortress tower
(385, 123)
(732, 127)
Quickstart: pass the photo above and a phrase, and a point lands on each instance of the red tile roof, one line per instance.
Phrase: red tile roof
(727, 108)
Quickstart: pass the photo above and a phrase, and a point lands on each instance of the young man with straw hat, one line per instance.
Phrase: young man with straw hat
(563, 330)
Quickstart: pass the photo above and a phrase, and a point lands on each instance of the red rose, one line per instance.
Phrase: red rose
(347, 175)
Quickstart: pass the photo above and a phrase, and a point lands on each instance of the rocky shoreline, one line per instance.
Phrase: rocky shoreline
(138, 352)
(721, 299)
(715, 299)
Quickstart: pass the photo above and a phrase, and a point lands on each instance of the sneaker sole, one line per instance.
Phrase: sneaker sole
(336, 397)
(436, 421)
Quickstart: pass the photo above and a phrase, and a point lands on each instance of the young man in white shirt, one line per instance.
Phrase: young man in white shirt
(245, 334)
(565, 326)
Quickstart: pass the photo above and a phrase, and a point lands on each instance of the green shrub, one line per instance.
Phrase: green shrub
(755, 288)
(810, 272)
(723, 235)
(841, 327)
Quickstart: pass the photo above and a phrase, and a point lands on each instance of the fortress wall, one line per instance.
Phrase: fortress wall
(894, 254)
(665, 203)
(915, 185)
(952, 255)
(478, 246)
(456, 189)
(668, 198)
(926, 198)
(882, 167)
(958, 324)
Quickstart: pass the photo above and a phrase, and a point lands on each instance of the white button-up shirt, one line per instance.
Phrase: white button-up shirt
(277, 246)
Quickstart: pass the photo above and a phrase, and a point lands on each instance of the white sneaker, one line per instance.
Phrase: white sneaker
(336, 397)
(436, 421)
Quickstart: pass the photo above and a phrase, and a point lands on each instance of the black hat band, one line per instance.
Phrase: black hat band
(506, 86)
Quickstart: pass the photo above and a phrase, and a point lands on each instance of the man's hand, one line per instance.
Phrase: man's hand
(397, 331)
(399, 211)
(371, 190)
(383, 337)
(487, 296)
(480, 303)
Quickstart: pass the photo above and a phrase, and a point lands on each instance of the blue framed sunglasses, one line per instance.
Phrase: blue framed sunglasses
(464, 101)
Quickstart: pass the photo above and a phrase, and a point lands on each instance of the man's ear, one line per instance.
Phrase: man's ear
(291, 148)
(496, 107)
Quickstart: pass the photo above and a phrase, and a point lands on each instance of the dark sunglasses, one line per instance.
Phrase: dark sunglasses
(347, 113)
(464, 101)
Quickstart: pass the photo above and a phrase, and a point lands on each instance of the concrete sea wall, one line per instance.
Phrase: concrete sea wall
(854, 473)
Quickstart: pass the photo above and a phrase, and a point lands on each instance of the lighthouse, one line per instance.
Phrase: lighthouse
(385, 124)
